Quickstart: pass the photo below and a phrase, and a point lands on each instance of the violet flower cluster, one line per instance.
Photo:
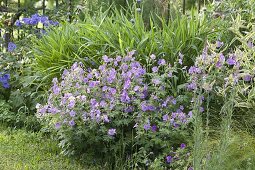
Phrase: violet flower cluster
(229, 67)
(35, 19)
(118, 89)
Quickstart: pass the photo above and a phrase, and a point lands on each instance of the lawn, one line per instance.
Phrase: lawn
(21, 150)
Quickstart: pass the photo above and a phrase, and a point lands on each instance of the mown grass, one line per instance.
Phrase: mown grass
(22, 150)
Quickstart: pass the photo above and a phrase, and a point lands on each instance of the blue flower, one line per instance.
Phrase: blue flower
(18, 23)
(4, 80)
(11, 46)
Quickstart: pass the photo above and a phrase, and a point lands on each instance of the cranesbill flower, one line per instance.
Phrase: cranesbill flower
(169, 159)
(190, 114)
(154, 128)
(71, 123)
(136, 88)
(219, 44)
(147, 126)
(18, 23)
(165, 117)
(231, 60)
(247, 77)
(161, 62)
(6, 85)
(57, 125)
(56, 90)
(71, 103)
(72, 113)
(111, 132)
(183, 146)
(194, 70)
(192, 86)
(156, 81)
(154, 69)
(11, 47)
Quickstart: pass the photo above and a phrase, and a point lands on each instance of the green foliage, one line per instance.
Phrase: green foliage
(114, 35)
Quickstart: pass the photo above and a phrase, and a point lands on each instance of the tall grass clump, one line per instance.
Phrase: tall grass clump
(87, 41)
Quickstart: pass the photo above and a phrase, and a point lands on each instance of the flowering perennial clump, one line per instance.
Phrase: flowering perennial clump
(117, 99)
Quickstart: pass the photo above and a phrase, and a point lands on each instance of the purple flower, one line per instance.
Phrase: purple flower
(194, 70)
(71, 123)
(129, 109)
(11, 46)
(219, 44)
(118, 58)
(231, 60)
(154, 69)
(156, 81)
(56, 90)
(190, 114)
(190, 168)
(72, 113)
(192, 86)
(71, 104)
(57, 125)
(103, 103)
(106, 119)
(124, 97)
(104, 88)
(161, 62)
(169, 159)
(145, 107)
(111, 132)
(165, 117)
(154, 128)
(127, 84)
(183, 146)
(247, 78)
(113, 91)
(92, 84)
(147, 126)
(136, 88)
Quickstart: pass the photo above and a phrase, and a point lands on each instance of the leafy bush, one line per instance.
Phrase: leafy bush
(121, 111)
(18, 92)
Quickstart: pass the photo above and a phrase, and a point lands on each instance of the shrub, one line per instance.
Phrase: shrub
(122, 112)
